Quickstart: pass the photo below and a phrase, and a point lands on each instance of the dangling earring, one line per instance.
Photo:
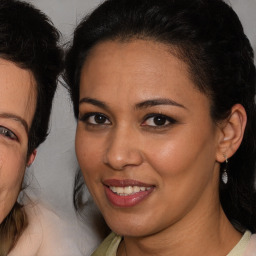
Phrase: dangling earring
(224, 175)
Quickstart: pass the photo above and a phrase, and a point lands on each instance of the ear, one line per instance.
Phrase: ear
(232, 132)
(31, 158)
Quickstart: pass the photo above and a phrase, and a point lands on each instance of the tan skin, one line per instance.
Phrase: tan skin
(142, 118)
(17, 108)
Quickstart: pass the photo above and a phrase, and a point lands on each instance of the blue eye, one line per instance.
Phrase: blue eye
(7, 133)
(157, 120)
(95, 119)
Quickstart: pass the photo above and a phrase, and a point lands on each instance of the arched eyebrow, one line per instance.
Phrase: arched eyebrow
(17, 119)
(156, 102)
(94, 102)
(144, 104)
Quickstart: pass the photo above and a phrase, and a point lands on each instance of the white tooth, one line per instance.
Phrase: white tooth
(113, 189)
(128, 190)
(119, 190)
(136, 189)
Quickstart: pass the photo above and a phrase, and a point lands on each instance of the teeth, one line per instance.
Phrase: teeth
(119, 190)
(136, 189)
(129, 190)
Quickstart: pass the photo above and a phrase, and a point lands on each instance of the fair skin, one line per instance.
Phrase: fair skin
(17, 108)
(150, 151)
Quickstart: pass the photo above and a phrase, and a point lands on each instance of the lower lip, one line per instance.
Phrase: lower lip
(126, 201)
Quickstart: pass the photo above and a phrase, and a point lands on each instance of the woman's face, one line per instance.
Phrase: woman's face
(17, 107)
(145, 141)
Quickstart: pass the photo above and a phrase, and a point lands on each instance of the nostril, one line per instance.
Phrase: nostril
(119, 160)
(123, 149)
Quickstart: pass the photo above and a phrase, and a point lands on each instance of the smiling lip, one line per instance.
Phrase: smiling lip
(126, 193)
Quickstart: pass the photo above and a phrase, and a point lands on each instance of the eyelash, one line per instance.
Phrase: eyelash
(7, 133)
(165, 118)
(85, 118)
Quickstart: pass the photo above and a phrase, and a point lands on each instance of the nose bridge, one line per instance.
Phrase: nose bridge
(123, 148)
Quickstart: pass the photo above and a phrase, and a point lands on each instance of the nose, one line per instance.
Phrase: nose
(123, 150)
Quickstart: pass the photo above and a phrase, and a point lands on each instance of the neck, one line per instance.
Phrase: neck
(209, 233)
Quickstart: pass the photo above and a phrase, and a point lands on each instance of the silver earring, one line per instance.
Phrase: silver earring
(224, 175)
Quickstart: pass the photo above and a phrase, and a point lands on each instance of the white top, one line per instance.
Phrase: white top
(48, 234)
(246, 246)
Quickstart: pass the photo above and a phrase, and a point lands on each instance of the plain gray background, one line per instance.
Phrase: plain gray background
(51, 176)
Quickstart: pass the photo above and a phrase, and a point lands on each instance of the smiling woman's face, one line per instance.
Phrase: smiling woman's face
(17, 107)
(145, 141)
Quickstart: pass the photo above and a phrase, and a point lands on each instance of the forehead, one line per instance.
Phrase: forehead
(18, 91)
(137, 68)
(141, 58)
(147, 54)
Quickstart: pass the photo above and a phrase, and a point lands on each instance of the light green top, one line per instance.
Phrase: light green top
(110, 245)
(240, 248)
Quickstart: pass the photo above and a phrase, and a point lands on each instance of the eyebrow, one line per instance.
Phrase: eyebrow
(15, 118)
(144, 104)
(94, 102)
(156, 102)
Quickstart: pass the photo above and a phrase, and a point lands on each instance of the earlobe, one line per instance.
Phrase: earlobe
(232, 132)
(31, 158)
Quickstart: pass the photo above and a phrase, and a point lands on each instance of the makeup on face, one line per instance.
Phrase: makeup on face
(126, 193)
(145, 141)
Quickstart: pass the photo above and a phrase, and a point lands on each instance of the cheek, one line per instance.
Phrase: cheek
(12, 168)
(183, 167)
(183, 158)
(89, 153)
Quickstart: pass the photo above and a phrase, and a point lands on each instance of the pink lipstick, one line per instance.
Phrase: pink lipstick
(126, 193)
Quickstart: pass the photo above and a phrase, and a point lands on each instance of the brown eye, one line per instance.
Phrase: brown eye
(95, 119)
(156, 120)
(99, 119)
(159, 120)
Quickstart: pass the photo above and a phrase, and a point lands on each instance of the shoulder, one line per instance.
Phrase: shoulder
(31, 239)
(46, 234)
(109, 246)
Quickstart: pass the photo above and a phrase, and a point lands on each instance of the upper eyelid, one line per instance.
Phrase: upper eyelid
(17, 119)
(84, 117)
(159, 114)
(145, 105)
(9, 130)
(88, 114)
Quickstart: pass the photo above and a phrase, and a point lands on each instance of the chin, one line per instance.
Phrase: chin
(126, 228)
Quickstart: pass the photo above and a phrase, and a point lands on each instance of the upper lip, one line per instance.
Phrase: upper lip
(124, 183)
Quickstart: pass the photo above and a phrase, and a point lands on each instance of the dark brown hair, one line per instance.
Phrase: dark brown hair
(210, 39)
(28, 39)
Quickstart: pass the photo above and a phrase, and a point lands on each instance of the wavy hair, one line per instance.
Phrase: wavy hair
(208, 36)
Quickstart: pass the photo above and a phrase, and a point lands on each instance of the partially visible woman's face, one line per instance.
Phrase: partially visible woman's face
(145, 141)
(17, 107)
